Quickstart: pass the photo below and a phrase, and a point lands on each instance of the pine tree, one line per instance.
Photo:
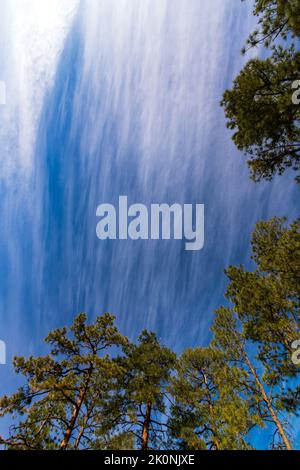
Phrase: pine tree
(267, 301)
(209, 411)
(229, 337)
(143, 388)
(277, 18)
(60, 405)
(260, 111)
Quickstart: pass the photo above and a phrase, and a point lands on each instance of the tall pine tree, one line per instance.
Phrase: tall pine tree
(60, 405)
(208, 411)
(147, 367)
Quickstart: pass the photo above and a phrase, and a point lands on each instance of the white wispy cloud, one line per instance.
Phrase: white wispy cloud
(34, 32)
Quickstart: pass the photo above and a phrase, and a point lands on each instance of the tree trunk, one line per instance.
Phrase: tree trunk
(146, 426)
(267, 401)
(215, 439)
(70, 428)
(80, 434)
(75, 413)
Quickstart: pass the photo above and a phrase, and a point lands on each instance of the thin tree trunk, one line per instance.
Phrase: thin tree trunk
(75, 413)
(215, 439)
(146, 426)
(80, 434)
(267, 401)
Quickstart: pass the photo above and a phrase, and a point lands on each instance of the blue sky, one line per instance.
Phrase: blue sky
(109, 98)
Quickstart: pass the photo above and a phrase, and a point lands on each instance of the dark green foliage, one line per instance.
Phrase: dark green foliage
(147, 367)
(268, 299)
(277, 19)
(259, 107)
(209, 411)
(264, 318)
(260, 111)
(65, 391)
